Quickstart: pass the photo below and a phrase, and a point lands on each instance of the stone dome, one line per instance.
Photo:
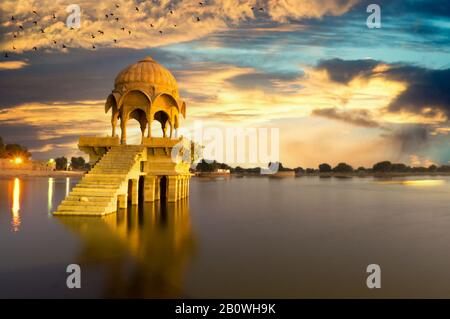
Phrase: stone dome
(147, 72)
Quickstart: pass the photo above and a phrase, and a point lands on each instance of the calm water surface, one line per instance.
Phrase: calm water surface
(239, 237)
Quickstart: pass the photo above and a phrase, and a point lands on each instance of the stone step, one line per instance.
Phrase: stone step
(112, 166)
(86, 192)
(101, 170)
(98, 186)
(67, 202)
(82, 213)
(106, 175)
(114, 162)
(79, 188)
(99, 183)
(85, 208)
(97, 199)
(112, 172)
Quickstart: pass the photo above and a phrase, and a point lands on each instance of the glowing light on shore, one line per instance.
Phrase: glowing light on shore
(18, 160)
(16, 205)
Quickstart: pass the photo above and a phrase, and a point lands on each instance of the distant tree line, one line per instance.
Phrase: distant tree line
(76, 163)
(325, 168)
(13, 150)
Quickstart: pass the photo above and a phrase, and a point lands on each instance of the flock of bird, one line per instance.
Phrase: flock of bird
(110, 15)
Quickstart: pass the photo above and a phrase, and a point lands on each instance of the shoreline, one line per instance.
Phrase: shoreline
(29, 173)
(342, 175)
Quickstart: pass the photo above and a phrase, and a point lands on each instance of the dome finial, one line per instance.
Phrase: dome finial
(147, 59)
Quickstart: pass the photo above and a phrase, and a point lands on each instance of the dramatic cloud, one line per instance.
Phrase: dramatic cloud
(178, 20)
(426, 93)
(354, 117)
(410, 138)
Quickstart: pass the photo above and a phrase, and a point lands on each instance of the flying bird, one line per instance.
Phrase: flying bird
(42, 30)
(35, 22)
(13, 19)
(14, 47)
(54, 42)
(15, 35)
(123, 29)
(20, 27)
(64, 46)
(129, 32)
(34, 12)
(92, 36)
(107, 16)
(200, 4)
(171, 12)
(115, 40)
(160, 32)
(35, 48)
(117, 19)
(137, 9)
(93, 46)
(54, 16)
(151, 25)
(117, 6)
(198, 19)
(101, 32)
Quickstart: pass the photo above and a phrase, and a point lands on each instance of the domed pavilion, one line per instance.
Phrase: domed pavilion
(145, 91)
(122, 174)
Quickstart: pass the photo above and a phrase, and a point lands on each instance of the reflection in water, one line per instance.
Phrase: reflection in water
(16, 205)
(417, 182)
(50, 193)
(67, 186)
(143, 250)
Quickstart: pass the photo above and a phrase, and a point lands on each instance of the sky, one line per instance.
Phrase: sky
(337, 90)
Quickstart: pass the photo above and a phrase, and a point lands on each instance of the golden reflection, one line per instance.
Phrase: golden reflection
(16, 205)
(143, 251)
(417, 182)
(67, 186)
(50, 193)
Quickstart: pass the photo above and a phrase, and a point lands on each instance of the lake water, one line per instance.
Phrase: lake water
(237, 237)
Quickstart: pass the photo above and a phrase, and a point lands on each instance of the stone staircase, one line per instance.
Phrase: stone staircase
(96, 193)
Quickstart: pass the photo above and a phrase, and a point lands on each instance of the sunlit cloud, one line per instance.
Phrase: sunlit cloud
(12, 65)
(142, 21)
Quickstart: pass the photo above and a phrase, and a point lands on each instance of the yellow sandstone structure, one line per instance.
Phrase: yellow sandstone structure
(157, 169)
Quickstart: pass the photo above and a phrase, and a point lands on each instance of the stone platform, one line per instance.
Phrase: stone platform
(119, 171)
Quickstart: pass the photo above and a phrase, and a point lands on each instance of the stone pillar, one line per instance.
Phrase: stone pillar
(123, 128)
(157, 189)
(150, 188)
(187, 186)
(181, 187)
(172, 190)
(184, 186)
(122, 201)
(134, 192)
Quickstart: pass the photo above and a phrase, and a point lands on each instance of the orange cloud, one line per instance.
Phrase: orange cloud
(12, 65)
(179, 26)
